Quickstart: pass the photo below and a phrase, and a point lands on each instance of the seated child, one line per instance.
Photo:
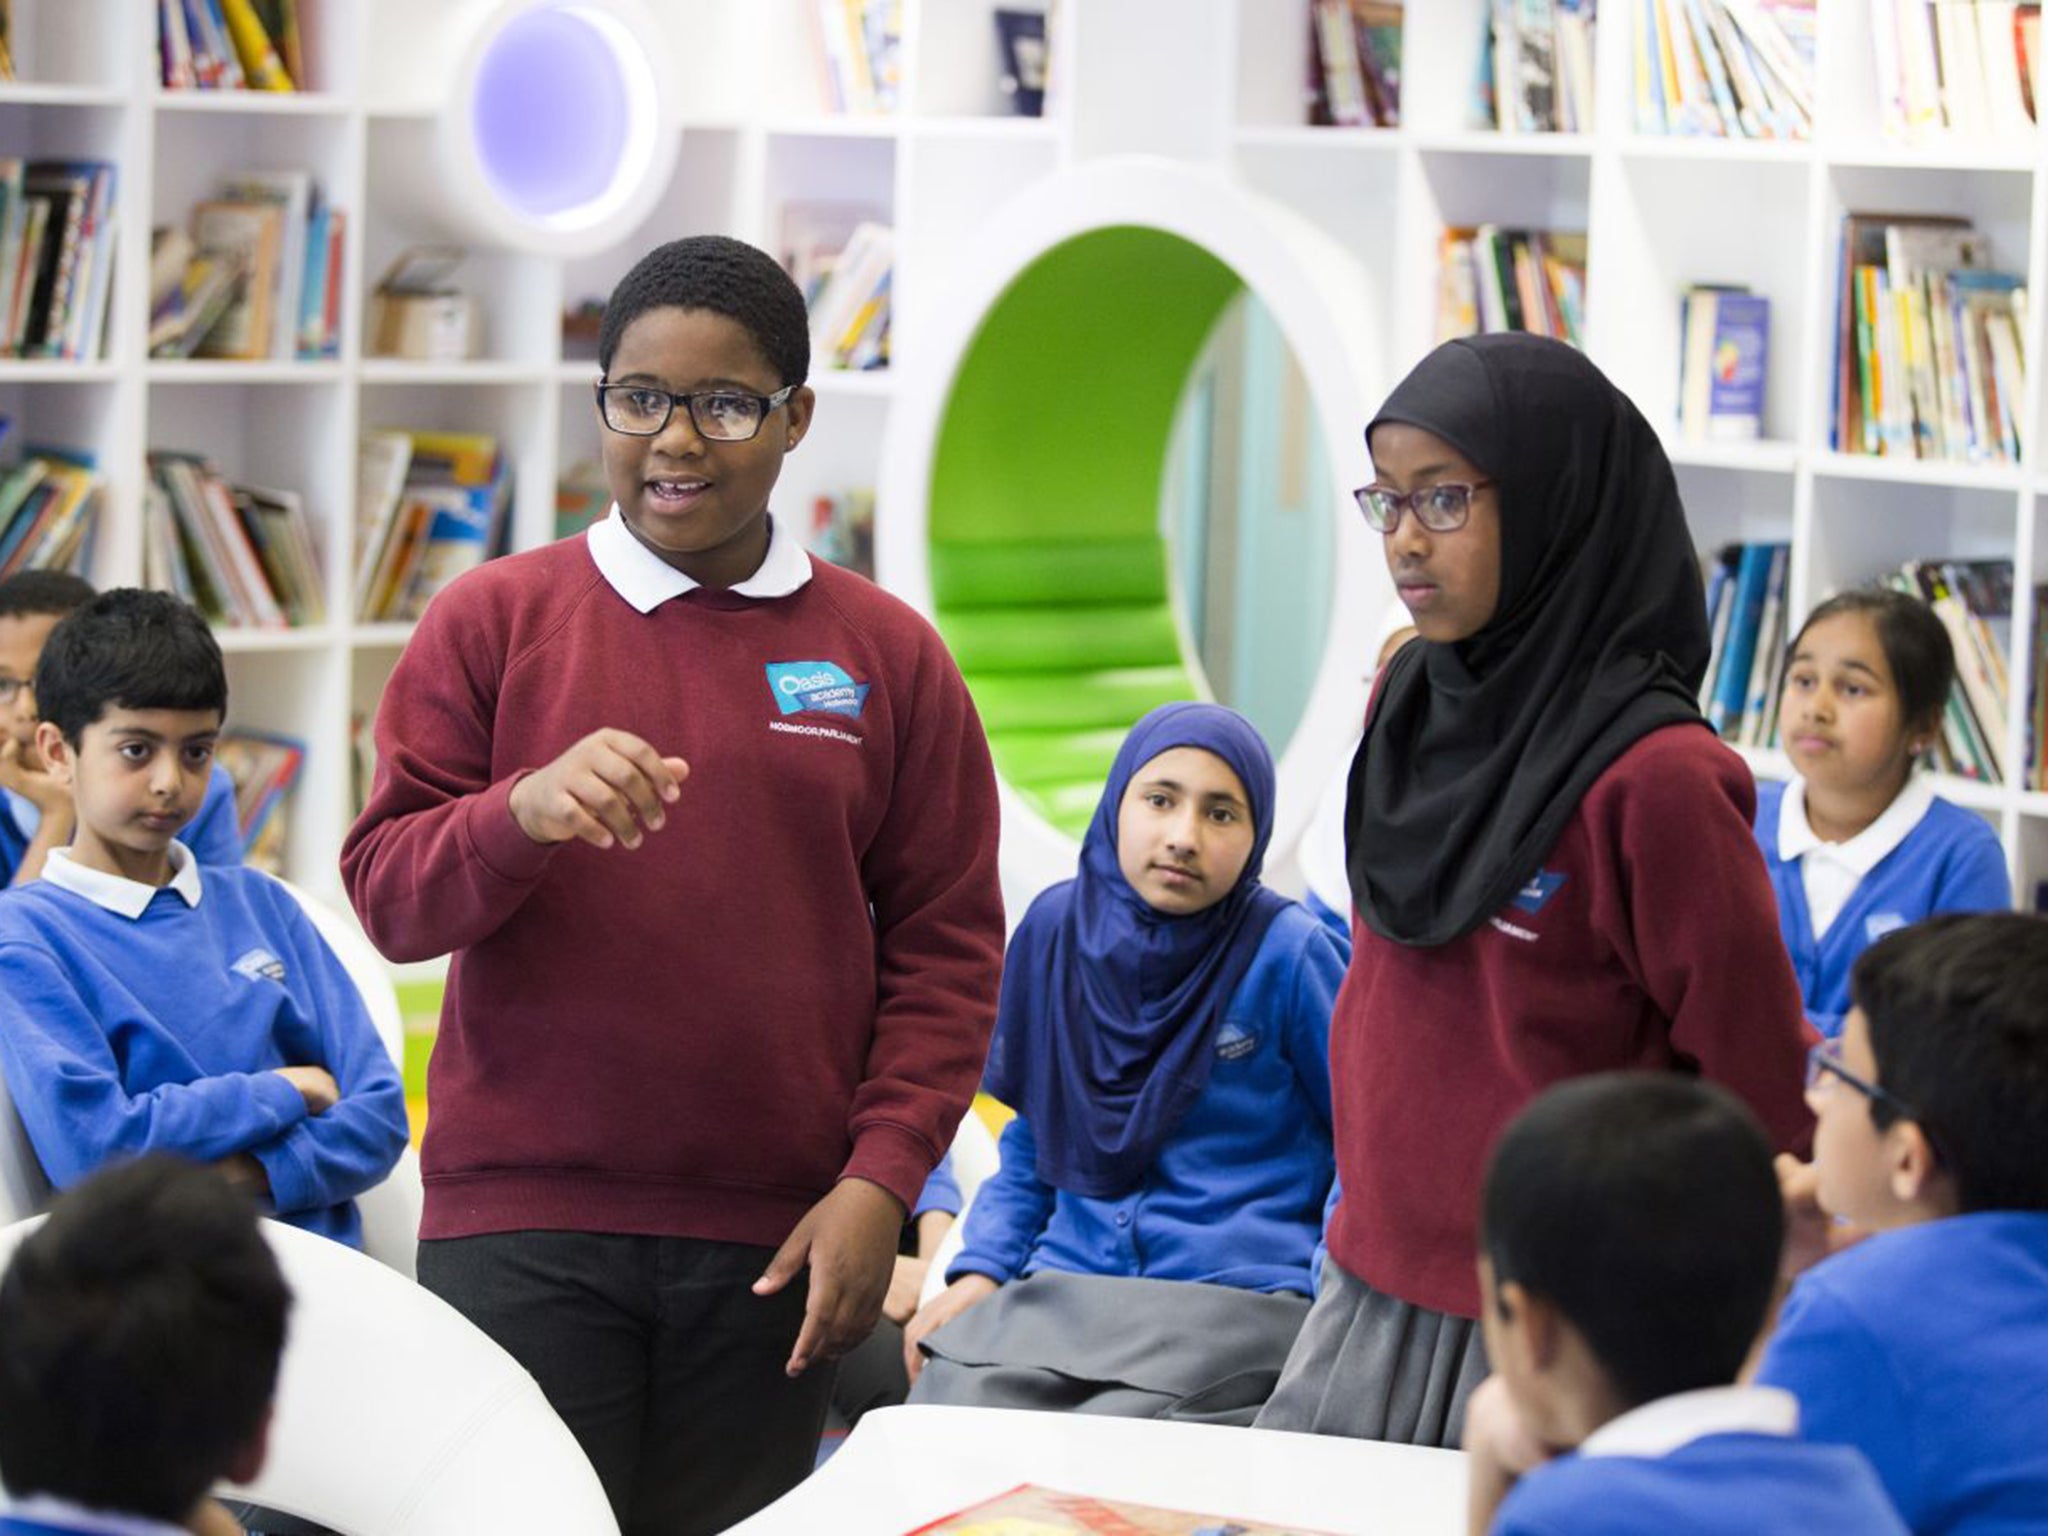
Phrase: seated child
(1859, 844)
(1925, 1346)
(1629, 1248)
(143, 1008)
(1163, 1034)
(35, 810)
(140, 1332)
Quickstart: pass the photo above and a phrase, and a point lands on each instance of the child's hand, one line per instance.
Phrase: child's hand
(606, 789)
(848, 1240)
(211, 1518)
(941, 1310)
(30, 778)
(1499, 1449)
(1811, 1234)
(900, 1305)
(316, 1086)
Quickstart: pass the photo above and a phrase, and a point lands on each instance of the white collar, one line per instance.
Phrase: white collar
(118, 894)
(647, 581)
(48, 1509)
(1661, 1427)
(1867, 849)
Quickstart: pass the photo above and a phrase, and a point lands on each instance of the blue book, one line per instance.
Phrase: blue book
(1737, 365)
(1731, 682)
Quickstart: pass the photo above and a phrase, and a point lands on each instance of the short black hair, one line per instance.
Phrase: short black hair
(140, 1331)
(128, 649)
(727, 277)
(38, 592)
(1915, 644)
(1959, 1031)
(1643, 1206)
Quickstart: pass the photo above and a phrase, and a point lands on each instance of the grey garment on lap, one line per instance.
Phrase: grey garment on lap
(1139, 1349)
(1371, 1367)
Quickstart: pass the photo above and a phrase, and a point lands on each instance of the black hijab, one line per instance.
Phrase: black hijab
(1477, 753)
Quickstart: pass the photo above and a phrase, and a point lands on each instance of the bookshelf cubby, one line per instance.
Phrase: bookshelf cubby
(1222, 84)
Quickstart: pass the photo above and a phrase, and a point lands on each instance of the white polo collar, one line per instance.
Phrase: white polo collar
(1671, 1423)
(47, 1509)
(647, 581)
(119, 895)
(1867, 849)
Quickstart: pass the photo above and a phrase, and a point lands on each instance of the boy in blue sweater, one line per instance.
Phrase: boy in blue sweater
(1925, 1345)
(35, 810)
(145, 1008)
(1630, 1234)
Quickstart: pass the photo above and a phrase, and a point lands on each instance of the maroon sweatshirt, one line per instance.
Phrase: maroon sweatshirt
(792, 982)
(1648, 939)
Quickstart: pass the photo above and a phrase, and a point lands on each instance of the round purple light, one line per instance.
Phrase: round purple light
(550, 113)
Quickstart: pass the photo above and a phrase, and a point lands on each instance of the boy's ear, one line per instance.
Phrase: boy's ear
(54, 750)
(1536, 1335)
(1911, 1167)
(250, 1456)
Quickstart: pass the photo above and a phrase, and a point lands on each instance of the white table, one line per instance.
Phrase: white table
(904, 1467)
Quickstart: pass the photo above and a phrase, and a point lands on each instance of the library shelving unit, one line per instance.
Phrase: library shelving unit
(1215, 84)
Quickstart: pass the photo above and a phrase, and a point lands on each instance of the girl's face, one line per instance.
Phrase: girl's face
(1184, 831)
(1449, 582)
(699, 504)
(1839, 716)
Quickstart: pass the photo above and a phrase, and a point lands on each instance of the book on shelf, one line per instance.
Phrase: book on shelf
(843, 529)
(431, 506)
(2037, 698)
(1973, 600)
(1024, 51)
(860, 52)
(1354, 63)
(1746, 614)
(57, 228)
(582, 497)
(1724, 68)
(243, 555)
(1030, 1509)
(49, 512)
(1966, 67)
(259, 274)
(252, 236)
(229, 45)
(1536, 66)
(850, 305)
(1929, 361)
(1725, 335)
(6, 40)
(1495, 279)
(264, 767)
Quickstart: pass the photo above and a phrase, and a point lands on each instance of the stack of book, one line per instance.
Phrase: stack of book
(1727, 68)
(56, 256)
(229, 45)
(1354, 63)
(1536, 66)
(430, 506)
(849, 302)
(1725, 353)
(49, 513)
(259, 275)
(1929, 362)
(1973, 600)
(1494, 279)
(264, 768)
(1745, 669)
(1968, 66)
(242, 554)
(860, 48)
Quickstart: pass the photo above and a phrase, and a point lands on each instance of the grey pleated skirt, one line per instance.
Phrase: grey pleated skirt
(1370, 1367)
(1143, 1349)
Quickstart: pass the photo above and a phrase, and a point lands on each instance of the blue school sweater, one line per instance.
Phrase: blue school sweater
(215, 835)
(1926, 1348)
(1950, 862)
(1235, 1196)
(122, 1034)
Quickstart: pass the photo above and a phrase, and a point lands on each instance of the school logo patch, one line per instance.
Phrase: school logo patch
(1537, 893)
(1234, 1041)
(1878, 924)
(260, 965)
(817, 687)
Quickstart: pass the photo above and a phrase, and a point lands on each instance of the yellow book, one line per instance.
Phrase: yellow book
(261, 66)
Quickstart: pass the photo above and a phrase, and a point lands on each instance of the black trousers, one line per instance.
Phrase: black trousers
(659, 1358)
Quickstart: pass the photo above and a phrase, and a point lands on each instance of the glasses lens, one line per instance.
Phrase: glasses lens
(637, 411)
(11, 688)
(1380, 507)
(729, 418)
(1443, 507)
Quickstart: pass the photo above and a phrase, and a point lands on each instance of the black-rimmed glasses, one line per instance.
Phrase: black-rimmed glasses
(12, 688)
(720, 415)
(1439, 508)
(1825, 1060)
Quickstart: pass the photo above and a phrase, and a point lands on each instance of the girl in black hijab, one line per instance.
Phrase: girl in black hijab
(1550, 857)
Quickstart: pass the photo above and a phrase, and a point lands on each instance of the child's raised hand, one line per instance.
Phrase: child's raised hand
(941, 1310)
(1499, 1449)
(607, 789)
(32, 780)
(316, 1086)
(848, 1241)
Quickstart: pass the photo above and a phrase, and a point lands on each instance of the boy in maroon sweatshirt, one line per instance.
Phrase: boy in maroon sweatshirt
(710, 830)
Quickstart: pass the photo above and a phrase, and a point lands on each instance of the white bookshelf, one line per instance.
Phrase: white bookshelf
(1212, 83)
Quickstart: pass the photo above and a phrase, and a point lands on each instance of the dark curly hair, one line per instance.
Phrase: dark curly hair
(727, 277)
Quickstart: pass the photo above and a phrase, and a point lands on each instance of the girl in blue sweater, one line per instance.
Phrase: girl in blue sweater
(1859, 844)
(1163, 1034)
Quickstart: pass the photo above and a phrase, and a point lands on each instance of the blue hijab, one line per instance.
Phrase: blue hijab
(1104, 1035)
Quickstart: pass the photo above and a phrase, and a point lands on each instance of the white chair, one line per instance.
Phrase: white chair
(974, 1159)
(396, 1416)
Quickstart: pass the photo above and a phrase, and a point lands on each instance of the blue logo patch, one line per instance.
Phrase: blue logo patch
(1534, 896)
(1234, 1041)
(817, 686)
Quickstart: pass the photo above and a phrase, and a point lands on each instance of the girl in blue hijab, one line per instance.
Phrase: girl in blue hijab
(1146, 1247)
